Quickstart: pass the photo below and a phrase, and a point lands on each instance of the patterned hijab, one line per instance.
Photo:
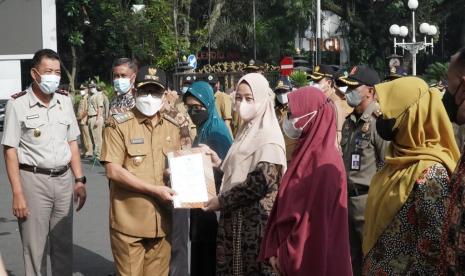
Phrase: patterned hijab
(424, 138)
(259, 140)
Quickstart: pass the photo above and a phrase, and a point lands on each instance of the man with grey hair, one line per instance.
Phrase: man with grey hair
(124, 75)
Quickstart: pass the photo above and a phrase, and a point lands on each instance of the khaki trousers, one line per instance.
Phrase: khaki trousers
(140, 256)
(50, 203)
(86, 139)
(96, 134)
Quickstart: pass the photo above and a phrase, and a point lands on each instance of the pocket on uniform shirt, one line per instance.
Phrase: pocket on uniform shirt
(34, 131)
(135, 159)
(63, 126)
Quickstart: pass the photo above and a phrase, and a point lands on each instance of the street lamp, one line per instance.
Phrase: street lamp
(414, 46)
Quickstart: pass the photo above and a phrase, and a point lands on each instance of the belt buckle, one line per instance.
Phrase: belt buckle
(54, 172)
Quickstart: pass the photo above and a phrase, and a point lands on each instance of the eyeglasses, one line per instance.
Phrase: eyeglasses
(195, 107)
(156, 93)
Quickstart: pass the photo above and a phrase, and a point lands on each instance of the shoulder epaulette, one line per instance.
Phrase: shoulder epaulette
(377, 112)
(170, 119)
(123, 117)
(62, 92)
(19, 94)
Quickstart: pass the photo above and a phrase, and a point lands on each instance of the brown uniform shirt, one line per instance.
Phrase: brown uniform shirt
(131, 141)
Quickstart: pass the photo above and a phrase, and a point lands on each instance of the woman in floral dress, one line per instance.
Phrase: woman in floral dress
(406, 203)
(252, 171)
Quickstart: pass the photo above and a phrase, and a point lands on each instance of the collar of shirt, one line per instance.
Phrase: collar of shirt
(141, 118)
(366, 114)
(33, 100)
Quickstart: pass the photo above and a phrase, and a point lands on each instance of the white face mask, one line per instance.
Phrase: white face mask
(282, 98)
(49, 83)
(293, 132)
(246, 110)
(82, 92)
(148, 105)
(122, 85)
(93, 90)
(317, 85)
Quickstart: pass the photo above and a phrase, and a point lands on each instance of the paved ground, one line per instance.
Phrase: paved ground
(92, 253)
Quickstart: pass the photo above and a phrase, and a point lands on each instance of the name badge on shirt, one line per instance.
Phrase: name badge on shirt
(355, 160)
(30, 117)
(137, 141)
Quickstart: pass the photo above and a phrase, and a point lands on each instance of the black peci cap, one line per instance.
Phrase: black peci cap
(361, 75)
(150, 75)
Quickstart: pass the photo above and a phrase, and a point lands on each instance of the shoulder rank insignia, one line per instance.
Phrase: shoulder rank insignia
(170, 119)
(377, 113)
(123, 117)
(19, 94)
(62, 92)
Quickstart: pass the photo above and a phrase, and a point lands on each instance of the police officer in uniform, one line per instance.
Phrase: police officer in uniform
(282, 89)
(83, 120)
(95, 115)
(223, 101)
(363, 151)
(134, 153)
(179, 105)
(40, 147)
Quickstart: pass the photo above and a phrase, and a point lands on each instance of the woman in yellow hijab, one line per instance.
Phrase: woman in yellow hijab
(406, 202)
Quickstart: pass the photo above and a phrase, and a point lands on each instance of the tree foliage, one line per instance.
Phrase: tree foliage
(91, 34)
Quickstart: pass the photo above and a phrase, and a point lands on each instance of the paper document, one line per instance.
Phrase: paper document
(190, 178)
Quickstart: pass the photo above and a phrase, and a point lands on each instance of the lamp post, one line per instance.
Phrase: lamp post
(413, 47)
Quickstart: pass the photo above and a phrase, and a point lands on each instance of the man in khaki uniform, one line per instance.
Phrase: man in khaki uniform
(40, 147)
(83, 120)
(179, 105)
(134, 153)
(95, 115)
(223, 101)
(363, 152)
(281, 108)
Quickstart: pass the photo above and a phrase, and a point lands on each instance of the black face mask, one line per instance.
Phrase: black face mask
(449, 103)
(198, 116)
(385, 128)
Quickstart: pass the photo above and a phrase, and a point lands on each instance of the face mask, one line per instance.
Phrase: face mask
(246, 110)
(93, 90)
(82, 92)
(184, 89)
(282, 98)
(49, 83)
(148, 105)
(353, 98)
(385, 128)
(122, 85)
(198, 116)
(293, 132)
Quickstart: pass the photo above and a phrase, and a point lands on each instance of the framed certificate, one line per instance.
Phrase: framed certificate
(191, 178)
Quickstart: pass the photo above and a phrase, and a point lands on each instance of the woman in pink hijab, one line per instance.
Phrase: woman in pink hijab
(307, 231)
(252, 171)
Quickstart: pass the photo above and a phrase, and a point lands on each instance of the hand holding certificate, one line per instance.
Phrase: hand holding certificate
(191, 178)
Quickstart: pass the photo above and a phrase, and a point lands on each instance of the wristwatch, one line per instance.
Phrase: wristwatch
(82, 179)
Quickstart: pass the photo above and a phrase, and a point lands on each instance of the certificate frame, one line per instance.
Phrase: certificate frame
(207, 171)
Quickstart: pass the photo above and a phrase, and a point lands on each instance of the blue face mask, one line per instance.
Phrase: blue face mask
(122, 85)
(353, 97)
(49, 83)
